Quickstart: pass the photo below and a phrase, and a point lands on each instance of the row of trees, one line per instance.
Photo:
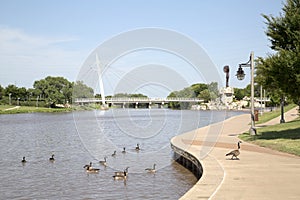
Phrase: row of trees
(275, 98)
(210, 92)
(280, 72)
(207, 92)
(48, 92)
(58, 90)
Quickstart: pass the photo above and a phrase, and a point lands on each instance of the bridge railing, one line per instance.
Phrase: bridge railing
(134, 100)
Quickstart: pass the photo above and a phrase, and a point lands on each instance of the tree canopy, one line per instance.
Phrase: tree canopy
(55, 90)
(207, 92)
(280, 72)
(80, 90)
(283, 31)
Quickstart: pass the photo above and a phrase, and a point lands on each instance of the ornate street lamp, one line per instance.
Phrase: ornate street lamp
(240, 73)
(240, 76)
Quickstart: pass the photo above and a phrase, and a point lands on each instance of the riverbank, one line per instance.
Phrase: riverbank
(29, 109)
(6, 109)
(260, 173)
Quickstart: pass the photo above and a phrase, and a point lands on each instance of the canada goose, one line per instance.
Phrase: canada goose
(124, 151)
(103, 162)
(52, 158)
(121, 176)
(137, 147)
(88, 166)
(23, 160)
(151, 170)
(122, 173)
(90, 169)
(235, 152)
(114, 154)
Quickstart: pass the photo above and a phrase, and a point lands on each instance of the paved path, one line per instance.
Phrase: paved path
(16, 107)
(260, 173)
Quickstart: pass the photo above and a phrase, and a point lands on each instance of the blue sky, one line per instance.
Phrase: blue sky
(41, 38)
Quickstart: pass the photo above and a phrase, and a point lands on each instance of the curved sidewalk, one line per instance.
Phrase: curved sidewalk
(260, 173)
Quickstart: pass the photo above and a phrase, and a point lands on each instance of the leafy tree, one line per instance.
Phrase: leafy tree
(280, 72)
(198, 87)
(32, 93)
(23, 93)
(138, 96)
(98, 96)
(13, 90)
(207, 92)
(81, 90)
(55, 90)
(214, 90)
(173, 105)
(239, 93)
(284, 31)
(205, 95)
(40, 87)
(1, 92)
(121, 95)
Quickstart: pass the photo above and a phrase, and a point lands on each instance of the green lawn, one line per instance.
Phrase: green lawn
(3, 107)
(282, 137)
(267, 116)
(32, 109)
(29, 109)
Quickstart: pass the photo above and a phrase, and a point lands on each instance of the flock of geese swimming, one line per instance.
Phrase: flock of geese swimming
(119, 175)
(122, 175)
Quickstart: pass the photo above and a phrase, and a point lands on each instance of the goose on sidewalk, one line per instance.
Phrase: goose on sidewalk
(236, 152)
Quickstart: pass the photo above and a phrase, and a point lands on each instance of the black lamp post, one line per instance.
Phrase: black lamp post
(282, 109)
(240, 74)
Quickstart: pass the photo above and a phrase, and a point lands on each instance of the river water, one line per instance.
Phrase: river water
(79, 138)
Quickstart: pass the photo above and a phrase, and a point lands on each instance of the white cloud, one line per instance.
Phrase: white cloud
(25, 58)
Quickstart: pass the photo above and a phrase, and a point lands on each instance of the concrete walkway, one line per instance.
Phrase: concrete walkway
(16, 107)
(260, 173)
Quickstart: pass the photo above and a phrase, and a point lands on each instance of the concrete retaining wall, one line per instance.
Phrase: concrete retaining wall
(188, 161)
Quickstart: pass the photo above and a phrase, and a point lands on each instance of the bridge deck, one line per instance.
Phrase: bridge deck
(137, 100)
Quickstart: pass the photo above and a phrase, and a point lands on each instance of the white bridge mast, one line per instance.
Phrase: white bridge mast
(100, 81)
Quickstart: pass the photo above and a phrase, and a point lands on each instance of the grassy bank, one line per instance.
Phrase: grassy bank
(267, 116)
(281, 137)
(5, 109)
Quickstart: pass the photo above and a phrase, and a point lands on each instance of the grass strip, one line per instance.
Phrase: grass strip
(283, 137)
(267, 116)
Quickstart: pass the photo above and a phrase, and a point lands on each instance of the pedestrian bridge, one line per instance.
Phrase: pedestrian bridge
(123, 101)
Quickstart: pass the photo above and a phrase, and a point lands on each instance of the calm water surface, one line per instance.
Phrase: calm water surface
(81, 137)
